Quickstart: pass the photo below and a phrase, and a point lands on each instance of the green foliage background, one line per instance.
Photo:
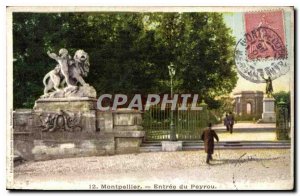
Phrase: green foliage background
(129, 52)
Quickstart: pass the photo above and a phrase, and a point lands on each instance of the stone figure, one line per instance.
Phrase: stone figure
(63, 63)
(70, 72)
(269, 86)
(80, 68)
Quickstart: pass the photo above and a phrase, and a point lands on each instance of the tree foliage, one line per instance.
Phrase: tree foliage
(129, 52)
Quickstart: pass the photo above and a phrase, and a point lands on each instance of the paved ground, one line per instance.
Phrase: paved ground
(250, 125)
(247, 131)
(247, 136)
(231, 169)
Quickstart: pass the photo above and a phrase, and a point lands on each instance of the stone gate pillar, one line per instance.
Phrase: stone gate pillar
(128, 131)
(282, 126)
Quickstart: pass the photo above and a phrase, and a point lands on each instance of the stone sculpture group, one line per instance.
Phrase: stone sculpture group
(65, 121)
(66, 79)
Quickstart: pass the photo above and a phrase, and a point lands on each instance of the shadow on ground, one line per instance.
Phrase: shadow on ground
(239, 161)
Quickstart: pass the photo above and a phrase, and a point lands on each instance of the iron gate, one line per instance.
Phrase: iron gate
(188, 123)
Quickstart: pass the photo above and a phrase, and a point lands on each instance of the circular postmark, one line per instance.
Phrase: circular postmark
(259, 53)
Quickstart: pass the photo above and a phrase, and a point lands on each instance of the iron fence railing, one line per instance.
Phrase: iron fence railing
(188, 123)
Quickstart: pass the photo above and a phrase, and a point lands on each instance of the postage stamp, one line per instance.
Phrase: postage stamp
(265, 35)
(262, 51)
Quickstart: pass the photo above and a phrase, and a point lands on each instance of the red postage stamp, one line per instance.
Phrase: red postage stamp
(265, 35)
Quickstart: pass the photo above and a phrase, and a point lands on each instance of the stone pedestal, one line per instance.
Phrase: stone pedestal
(71, 104)
(83, 108)
(171, 146)
(127, 130)
(268, 115)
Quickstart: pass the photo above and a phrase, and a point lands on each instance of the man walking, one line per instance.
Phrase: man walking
(230, 121)
(226, 122)
(208, 137)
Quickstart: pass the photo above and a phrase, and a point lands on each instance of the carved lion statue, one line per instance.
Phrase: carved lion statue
(77, 69)
(80, 68)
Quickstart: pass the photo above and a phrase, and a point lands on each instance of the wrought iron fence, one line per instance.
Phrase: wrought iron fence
(188, 123)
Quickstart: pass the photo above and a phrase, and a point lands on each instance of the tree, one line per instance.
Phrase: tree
(201, 47)
(129, 52)
(33, 35)
(121, 52)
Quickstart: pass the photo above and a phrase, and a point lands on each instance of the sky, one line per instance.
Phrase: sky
(236, 22)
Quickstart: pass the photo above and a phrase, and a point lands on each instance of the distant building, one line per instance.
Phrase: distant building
(248, 104)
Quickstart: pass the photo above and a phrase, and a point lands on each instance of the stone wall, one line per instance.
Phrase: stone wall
(47, 149)
(23, 131)
(78, 132)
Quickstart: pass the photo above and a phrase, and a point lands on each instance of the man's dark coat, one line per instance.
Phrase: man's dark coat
(208, 137)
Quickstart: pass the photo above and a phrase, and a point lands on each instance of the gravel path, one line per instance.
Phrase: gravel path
(247, 136)
(231, 169)
(240, 125)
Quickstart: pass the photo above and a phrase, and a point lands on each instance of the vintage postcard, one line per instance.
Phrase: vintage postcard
(150, 98)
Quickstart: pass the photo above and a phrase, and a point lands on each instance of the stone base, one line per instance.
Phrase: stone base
(46, 150)
(73, 92)
(128, 141)
(171, 146)
(81, 109)
(81, 104)
(127, 145)
(282, 135)
(268, 115)
(63, 128)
